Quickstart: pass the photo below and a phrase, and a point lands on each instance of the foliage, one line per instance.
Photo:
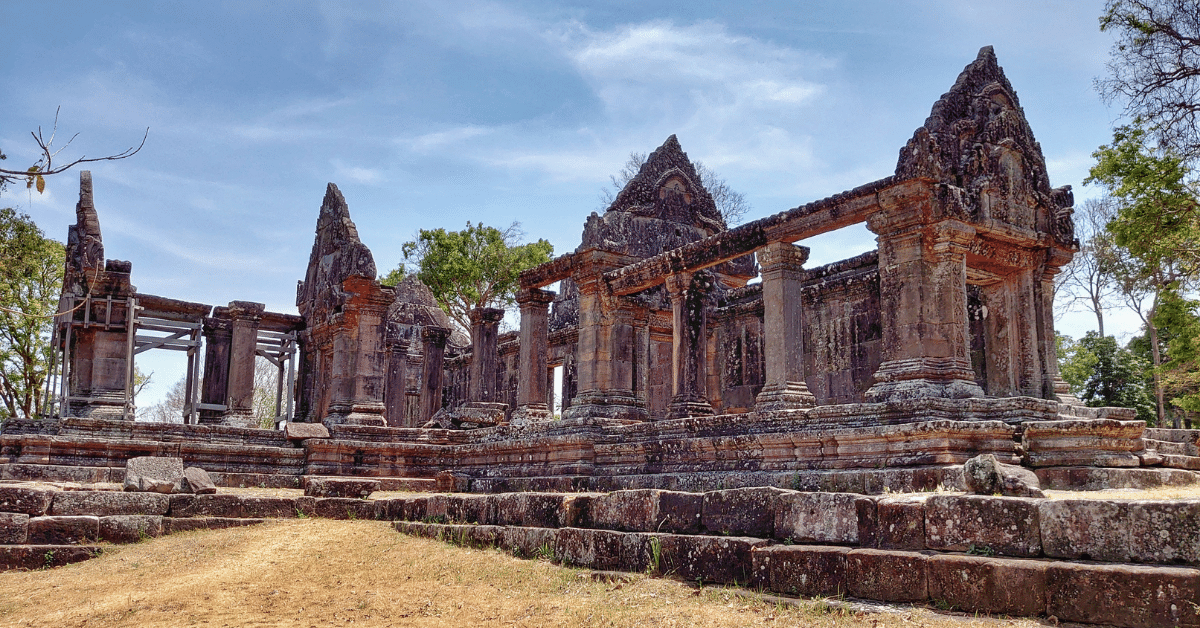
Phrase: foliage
(31, 275)
(1154, 67)
(170, 409)
(1075, 363)
(1178, 319)
(476, 267)
(1116, 378)
(394, 277)
(266, 385)
(731, 203)
(1157, 214)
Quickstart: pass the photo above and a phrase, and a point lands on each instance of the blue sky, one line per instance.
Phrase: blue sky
(434, 114)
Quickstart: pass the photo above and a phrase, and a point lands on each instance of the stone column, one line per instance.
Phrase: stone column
(433, 352)
(484, 357)
(923, 295)
(604, 369)
(531, 384)
(218, 333)
(689, 322)
(244, 320)
(395, 393)
(359, 361)
(1053, 385)
(783, 326)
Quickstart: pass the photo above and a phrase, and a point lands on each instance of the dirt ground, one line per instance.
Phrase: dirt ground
(316, 572)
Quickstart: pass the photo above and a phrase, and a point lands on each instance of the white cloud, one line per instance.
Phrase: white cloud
(356, 173)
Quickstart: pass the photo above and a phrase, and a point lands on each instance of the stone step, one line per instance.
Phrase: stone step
(1166, 447)
(44, 556)
(1191, 463)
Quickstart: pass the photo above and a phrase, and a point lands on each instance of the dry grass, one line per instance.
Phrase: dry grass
(314, 572)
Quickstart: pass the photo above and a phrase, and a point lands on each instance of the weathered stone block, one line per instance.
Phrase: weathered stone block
(648, 510)
(817, 517)
(303, 431)
(130, 528)
(1086, 528)
(1135, 596)
(538, 510)
(805, 570)
(577, 511)
(741, 511)
(171, 525)
(891, 522)
(339, 487)
(1004, 525)
(62, 530)
(233, 506)
(14, 528)
(1008, 586)
(31, 501)
(411, 508)
(44, 556)
(450, 482)
(1165, 532)
(108, 503)
(152, 473)
(528, 542)
(888, 576)
(471, 509)
(196, 480)
(722, 559)
(595, 549)
(1092, 442)
(984, 475)
(336, 507)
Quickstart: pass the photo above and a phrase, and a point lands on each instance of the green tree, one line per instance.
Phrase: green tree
(1117, 378)
(31, 275)
(1088, 280)
(476, 267)
(1075, 362)
(1178, 320)
(1154, 67)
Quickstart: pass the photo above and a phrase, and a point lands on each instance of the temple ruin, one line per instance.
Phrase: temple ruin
(695, 357)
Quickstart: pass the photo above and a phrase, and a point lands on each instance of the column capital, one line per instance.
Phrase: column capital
(783, 256)
(534, 296)
(678, 283)
(435, 335)
(486, 315)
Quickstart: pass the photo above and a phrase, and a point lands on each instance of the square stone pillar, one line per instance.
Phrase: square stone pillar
(395, 394)
(359, 356)
(689, 336)
(923, 297)
(604, 354)
(532, 405)
(244, 317)
(1053, 385)
(783, 325)
(484, 357)
(218, 336)
(433, 352)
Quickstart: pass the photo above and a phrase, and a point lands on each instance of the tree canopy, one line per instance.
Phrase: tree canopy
(476, 267)
(31, 275)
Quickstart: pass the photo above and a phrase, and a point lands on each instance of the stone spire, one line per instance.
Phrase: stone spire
(667, 187)
(85, 245)
(337, 254)
(977, 140)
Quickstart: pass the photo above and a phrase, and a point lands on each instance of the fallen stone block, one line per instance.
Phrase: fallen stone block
(130, 528)
(14, 528)
(804, 570)
(1001, 525)
(30, 501)
(235, 506)
(171, 525)
(336, 507)
(44, 556)
(108, 503)
(891, 522)
(741, 511)
(817, 517)
(153, 474)
(304, 431)
(887, 575)
(1088, 529)
(63, 530)
(1166, 532)
(1008, 586)
(196, 480)
(984, 475)
(648, 510)
(1132, 596)
(529, 542)
(339, 487)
